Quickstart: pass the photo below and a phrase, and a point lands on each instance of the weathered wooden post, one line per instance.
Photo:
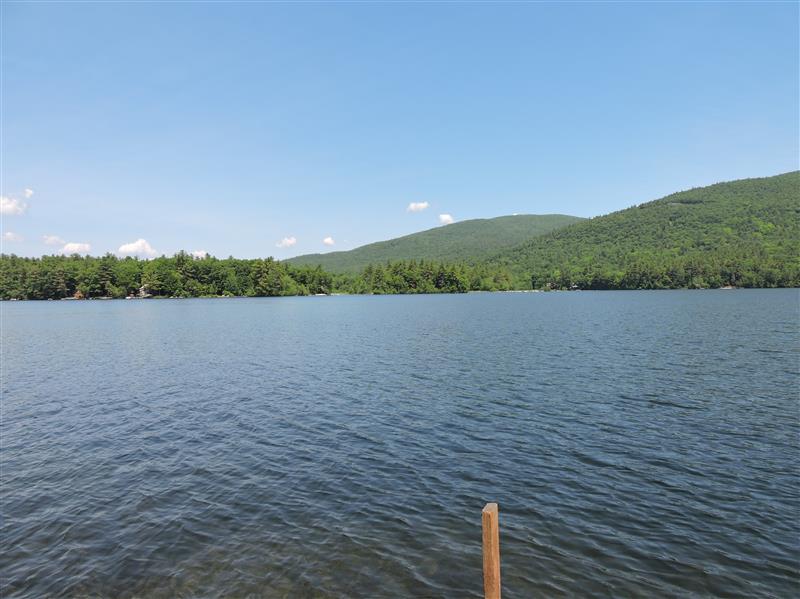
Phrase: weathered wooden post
(491, 551)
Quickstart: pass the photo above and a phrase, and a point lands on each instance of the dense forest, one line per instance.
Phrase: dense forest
(469, 241)
(743, 233)
(182, 275)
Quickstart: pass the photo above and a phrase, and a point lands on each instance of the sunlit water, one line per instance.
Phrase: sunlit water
(638, 443)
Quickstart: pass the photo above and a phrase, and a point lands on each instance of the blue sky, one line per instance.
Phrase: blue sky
(227, 127)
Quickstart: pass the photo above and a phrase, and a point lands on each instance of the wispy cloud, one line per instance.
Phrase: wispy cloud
(287, 242)
(52, 240)
(328, 241)
(11, 236)
(27, 193)
(12, 206)
(446, 219)
(76, 248)
(140, 247)
(417, 206)
(199, 253)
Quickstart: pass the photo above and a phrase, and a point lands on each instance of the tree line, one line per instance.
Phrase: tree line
(183, 275)
(742, 267)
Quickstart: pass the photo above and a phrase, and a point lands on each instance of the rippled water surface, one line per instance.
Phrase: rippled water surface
(638, 443)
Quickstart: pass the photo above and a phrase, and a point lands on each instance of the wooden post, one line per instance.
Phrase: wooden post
(491, 551)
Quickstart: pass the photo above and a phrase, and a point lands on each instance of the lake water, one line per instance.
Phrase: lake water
(638, 444)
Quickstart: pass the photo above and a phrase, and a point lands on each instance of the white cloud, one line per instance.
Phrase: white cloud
(328, 241)
(28, 193)
(52, 240)
(140, 247)
(12, 205)
(286, 242)
(199, 254)
(446, 219)
(11, 236)
(417, 206)
(76, 248)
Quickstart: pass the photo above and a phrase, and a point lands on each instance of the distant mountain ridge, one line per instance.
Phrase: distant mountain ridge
(466, 241)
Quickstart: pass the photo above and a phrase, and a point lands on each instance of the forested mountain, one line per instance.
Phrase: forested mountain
(742, 233)
(468, 241)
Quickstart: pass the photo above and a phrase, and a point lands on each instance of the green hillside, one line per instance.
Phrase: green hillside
(470, 241)
(742, 233)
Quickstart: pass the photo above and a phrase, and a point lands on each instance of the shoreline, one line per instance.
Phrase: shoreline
(216, 297)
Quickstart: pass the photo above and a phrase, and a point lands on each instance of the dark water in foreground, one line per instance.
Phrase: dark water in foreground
(638, 443)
